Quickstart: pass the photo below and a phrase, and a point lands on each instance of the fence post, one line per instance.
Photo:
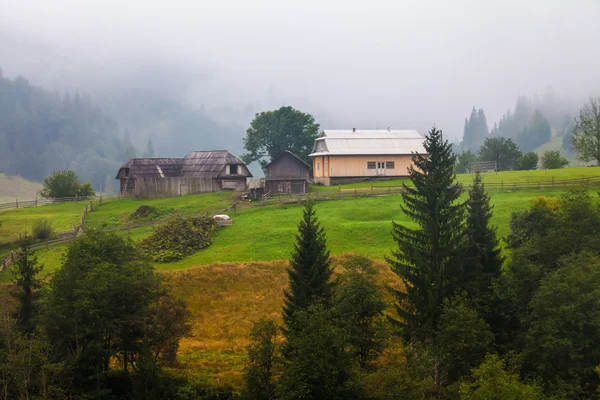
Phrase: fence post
(539, 185)
(355, 195)
(17, 202)
(502, 184)
(552, 181)
(100, 197)
(36, 201)
(340, 188)
(515, 186)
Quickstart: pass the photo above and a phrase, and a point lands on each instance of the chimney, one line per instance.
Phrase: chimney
(353, 129)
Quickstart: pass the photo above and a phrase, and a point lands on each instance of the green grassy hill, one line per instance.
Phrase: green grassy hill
(241, 276)
(13, 187)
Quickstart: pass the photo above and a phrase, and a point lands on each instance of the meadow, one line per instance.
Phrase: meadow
(242, 275)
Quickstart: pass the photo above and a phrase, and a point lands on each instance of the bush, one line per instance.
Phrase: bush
(552, 159)
(65, 184)
(149, 212)
(42, 229)
(179, 238)
(527, 161)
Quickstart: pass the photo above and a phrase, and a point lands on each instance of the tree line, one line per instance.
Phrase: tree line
(471, 322)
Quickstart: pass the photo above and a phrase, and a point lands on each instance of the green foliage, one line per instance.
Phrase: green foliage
(65, 183)
(464, 160)
(491, 380)
(319, 367)
(26, 278)
(535, 133)
(273, 132)
(310, 268)
(564, 327)
(427, 258)
(360, 304)
(26, 367)
(98, 308)
(586, 132)
(483, 261)
(502, 150)
(264, 361)
(42, 229)
(476, 130)
(179, 238)
(552, 159)
(464, 337)
(527, 161)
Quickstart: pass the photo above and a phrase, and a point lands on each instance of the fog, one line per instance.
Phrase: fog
(367, 64)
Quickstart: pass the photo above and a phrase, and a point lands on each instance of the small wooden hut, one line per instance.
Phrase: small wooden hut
(287, 173)
(198, 172)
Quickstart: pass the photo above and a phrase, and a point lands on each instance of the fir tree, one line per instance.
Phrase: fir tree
(25, 277)
(149, 153)
(484, 261)
(310, 268)
(427, 257)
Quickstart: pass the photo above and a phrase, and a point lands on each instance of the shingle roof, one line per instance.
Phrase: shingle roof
(368, 142)
(195, 164)
(207, 163)
(288, 153)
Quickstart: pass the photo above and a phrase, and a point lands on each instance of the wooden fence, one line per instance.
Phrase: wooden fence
(63, 237)
(43, 201)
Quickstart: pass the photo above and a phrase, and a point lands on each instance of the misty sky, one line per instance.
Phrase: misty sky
(404, 64)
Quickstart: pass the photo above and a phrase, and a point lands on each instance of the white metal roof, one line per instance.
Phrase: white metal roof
(372, 133)
(368, 142)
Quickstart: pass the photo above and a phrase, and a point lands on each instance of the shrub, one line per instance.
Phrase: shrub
(179, 238)
(42, 229)
(149, 212)
(65, 184)
(527, 161)
(552, 159)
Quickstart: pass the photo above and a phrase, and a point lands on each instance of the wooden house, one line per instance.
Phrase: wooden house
(347, 155)
(198, 172)
(287, 173)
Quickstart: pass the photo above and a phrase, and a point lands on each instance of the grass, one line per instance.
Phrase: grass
(17, 221)
(233, 295)
(14, 187)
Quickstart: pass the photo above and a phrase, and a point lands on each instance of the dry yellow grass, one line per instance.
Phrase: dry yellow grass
(224, 299)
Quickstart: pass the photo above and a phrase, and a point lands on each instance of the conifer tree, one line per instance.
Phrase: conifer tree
(310, 268)
(25, 275)
(149, 153)
(483, 259)
(427, 257)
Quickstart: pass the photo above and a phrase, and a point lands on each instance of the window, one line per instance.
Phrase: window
(233, 169)
(380, 165)
(371, 165)
(389, 165)
(326, 166)
(318, 166)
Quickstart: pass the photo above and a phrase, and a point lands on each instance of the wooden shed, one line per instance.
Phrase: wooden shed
(198, 172)
(287, 173)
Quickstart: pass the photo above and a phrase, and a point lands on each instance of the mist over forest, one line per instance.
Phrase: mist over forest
(88, 86)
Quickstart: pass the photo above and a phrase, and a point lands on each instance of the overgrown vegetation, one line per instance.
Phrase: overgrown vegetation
(179, 238)
(148, 212)
(42, 229)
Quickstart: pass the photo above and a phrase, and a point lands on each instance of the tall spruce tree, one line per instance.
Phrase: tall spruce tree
(310, 268)
(483, 261)
(25, 277)
(427, 258)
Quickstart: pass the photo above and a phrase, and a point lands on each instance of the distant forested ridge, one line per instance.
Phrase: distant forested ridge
(41, 132)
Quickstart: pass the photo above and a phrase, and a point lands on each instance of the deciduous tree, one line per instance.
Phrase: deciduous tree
(552, 159)
(586, 133)
(273, 132)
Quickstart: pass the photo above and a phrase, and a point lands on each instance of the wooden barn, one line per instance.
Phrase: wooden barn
(347, 155)
(198, 172)
(287, 173)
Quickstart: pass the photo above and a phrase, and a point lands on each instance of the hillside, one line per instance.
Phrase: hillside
(13, 187)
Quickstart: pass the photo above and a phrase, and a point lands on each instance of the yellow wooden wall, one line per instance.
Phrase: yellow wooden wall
(355, 166)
